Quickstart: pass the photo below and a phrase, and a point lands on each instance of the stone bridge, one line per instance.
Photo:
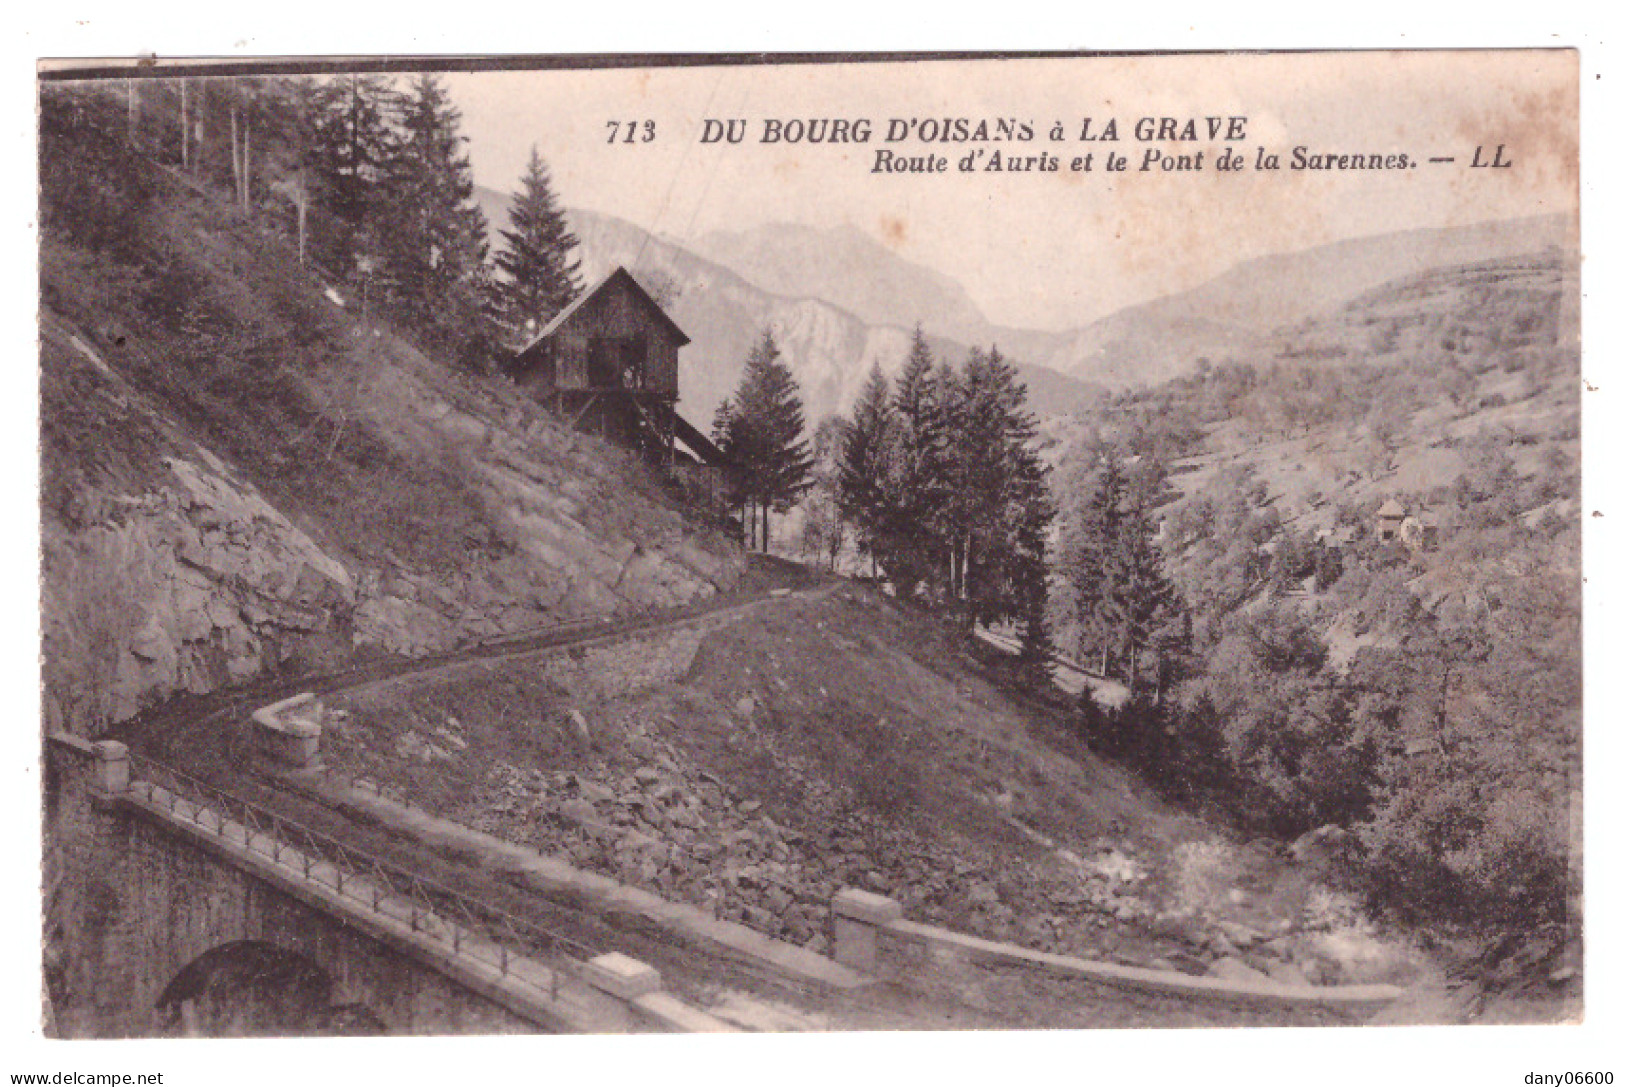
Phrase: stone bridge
(179, 910)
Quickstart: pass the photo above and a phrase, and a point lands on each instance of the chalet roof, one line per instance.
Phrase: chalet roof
(619, 275)
(702, 446)
(1391, 508)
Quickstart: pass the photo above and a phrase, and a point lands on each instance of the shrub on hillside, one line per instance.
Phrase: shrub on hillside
(93, 191)
(1437, 852)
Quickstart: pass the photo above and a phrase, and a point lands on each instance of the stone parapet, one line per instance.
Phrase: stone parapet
(289, 733)
(871, 935)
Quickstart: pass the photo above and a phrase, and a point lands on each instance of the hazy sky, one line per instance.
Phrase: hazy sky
(1053, 249)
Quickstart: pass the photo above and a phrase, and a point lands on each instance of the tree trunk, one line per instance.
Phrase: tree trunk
(236, 158)
(201, 131)
(186, 131)
(134, 109)
(304, 201)
(247, 168)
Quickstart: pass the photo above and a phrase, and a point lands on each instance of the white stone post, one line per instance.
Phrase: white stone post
(112, 767)
(858, 916)
(622, 976)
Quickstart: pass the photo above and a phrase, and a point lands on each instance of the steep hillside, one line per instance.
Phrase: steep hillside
(829, 348)
(1232, 316)
(1371, 531)
(1480, 334)
(240, 474)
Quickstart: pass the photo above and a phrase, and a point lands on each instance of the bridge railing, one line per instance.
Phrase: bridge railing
(467, 927)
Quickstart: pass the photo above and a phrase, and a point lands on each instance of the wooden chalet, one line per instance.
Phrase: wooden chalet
(608, 364)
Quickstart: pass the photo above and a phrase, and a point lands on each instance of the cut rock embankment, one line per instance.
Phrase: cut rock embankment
(553, 878)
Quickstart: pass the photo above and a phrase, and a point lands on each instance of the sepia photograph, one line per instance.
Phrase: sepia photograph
(717, 543)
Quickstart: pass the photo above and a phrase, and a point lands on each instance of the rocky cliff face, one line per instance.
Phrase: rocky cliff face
(188, 585)
(829, 348)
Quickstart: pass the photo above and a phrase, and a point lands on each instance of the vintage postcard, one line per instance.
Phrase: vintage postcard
(810, 543)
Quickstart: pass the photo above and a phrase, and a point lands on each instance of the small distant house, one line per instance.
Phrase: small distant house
(1390, 515)
(608, 364)
(1420, 532)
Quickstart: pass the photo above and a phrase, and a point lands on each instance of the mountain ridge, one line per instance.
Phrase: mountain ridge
(1240, 309)
(829, 348)
(841, 301)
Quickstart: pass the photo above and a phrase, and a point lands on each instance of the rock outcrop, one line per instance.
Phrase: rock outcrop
(189, 586)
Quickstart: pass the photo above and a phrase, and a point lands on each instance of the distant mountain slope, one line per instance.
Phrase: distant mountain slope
(840, 300)
(847, 267)
(829, 348)
(1233, 313)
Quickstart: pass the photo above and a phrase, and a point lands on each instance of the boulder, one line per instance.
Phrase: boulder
(410, 745)
(981, 894)
(1231, 968)
(1239, 935)
(778, 899)
(578, 725)
(592, 791)
(1324, 847)
(1287, 973)
(153, 643)
(578, 811)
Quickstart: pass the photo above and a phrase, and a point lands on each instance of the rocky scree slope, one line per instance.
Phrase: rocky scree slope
(840, 741)
(239, 474)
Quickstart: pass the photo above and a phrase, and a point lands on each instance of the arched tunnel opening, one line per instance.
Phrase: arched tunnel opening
(251, 988)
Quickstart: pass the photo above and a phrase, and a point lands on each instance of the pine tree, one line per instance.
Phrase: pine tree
(999, 503)
(918, 477)
(765, 438)
(1029, 512)
(864, 464)
(351, 143)
(950, 391)
(729, 434)
(433, 236)
(540, 275)
(1090, 531)
(1139, 605)
(973, 473)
